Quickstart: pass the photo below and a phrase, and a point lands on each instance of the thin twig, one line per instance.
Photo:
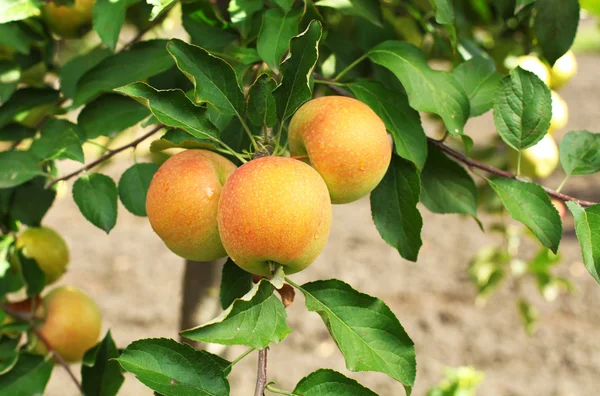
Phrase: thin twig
(498, 172)
(261, 378)
(27, 317)
(472, 163)
(106, 156)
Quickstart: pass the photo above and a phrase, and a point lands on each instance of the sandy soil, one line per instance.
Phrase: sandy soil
(137, 283)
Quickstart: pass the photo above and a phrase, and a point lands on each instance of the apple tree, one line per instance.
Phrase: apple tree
(261, 115)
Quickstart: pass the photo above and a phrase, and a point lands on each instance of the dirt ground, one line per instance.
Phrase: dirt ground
(137, 283)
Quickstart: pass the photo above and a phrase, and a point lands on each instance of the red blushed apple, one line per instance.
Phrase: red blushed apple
(274, 210)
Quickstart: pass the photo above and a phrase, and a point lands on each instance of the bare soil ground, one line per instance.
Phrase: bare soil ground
(137, 283)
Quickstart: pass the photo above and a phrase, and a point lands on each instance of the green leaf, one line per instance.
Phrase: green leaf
(555, 26)
(257, 319)
(110, 114)
(285, 5)
(447, 187)
(277, 28)
(486, 270)
(367, 9)
(403, 122)
(18, 36)
(235, 283)
(261, 103)
(174, 369)
(580, 153)
(102, 376)
(521, 4)
(295, 88)
(241, 13)
(159, 7)
(214, 80)
(587, 228)
(365, 330)
(529, 204)
(10, 74)
(10, 278)
(25, 99)
(394, 208)
(15, 10)
(428, 90)
(108, 17)
(34, 277)
(177, 138)
(28, 377)
(58, 140)
(173, 109)
(72, 71)
(444, 11)
(528, 315)
(133, 187)
(8, 353)
(142, 60)
(31, 202)
(324, 382)
(96, 198)
(522, 109)
(14, 132)
(17, 167)
(480, 80)
(205, 28)
(219, 119)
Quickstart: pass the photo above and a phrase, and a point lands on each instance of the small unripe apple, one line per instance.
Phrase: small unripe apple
(560, 113)
(71, 323)
(538, 161)
(563, 70)
(47, 248)
(182, 203)
(533, 64)
(345, 141)
(274, 210)
(69, 22)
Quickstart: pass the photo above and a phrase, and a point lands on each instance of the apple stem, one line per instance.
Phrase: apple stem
(261, 378)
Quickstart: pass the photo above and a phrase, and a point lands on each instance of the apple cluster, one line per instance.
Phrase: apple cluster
(272, 210)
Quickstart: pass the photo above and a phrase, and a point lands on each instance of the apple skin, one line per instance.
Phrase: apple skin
(182, 203)
(47, 248)
(69, 22)
(560, 113)
(72, 323)
(274, 210)
(538, 161)
(346, 142)
(563, 70)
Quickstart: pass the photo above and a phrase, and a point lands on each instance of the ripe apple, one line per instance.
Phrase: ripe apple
(71, 323)
(47, 248)
(69, 22)
(536, 66)
(538, 161)
(563, 70)
(560, 113)
(274, 210)
(182, 203)
(345, 141)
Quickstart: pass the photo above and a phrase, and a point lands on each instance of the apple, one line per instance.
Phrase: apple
(47, 248)
(182, 203)
(538, 161)
(71, 323)
(69, 22)
(563, 70)
(274, 210)
(560, 207)
(345, 141)
(536, 66)
(560, 113)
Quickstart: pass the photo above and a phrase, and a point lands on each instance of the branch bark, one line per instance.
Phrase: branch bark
(106, 156)
(261, 378)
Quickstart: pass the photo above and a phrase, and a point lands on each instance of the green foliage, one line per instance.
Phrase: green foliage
(134, 185)
(261, 104)
(235, 283)
(34, 277)
(587, 227)
(96, 197)
(28, 377)
(100, 374)
(580, 153)
(109, 115)
(325, 381)
(555, 26)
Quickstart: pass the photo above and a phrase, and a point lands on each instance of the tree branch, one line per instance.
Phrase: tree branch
(261, 378)
(28, 317)
(106, 156)
(470, 162)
